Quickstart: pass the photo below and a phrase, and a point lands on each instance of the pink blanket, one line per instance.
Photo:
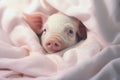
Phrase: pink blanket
(22, 57)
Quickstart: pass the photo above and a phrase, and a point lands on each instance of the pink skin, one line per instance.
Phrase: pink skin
(52, 44)
(53, 41)
(58, 32)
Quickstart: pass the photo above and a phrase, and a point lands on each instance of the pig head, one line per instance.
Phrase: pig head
(58, 32)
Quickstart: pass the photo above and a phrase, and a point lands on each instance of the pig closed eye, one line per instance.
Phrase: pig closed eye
(69, 31)
(44, 30)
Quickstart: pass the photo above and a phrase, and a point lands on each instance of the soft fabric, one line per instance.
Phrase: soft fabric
(22, 56)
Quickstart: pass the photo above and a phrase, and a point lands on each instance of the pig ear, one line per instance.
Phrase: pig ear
(35, 21)
(82, 32)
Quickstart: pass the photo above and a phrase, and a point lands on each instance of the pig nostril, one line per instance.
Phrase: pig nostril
(56, 45)
(53, 44)
(49, 44)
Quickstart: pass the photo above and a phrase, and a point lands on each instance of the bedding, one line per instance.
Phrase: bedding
(22, 56)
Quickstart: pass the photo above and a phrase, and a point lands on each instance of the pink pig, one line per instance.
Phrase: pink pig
(58, 32)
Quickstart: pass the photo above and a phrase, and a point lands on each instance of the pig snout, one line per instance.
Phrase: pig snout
(53, 45)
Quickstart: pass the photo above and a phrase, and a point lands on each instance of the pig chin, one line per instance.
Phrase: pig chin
(52, 50)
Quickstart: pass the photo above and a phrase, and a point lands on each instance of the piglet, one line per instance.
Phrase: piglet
(58, 32)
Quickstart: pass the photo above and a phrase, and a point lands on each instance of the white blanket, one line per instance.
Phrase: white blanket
(22, 57)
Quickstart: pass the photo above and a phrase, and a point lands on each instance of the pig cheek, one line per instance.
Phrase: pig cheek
(69, 41)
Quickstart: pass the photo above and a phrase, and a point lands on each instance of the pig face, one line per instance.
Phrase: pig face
(60, 32)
